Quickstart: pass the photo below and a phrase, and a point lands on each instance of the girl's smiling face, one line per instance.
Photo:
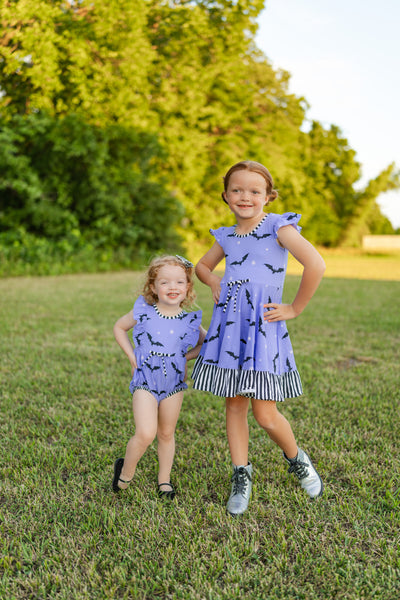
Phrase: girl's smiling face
(246, 194)
(170, 286)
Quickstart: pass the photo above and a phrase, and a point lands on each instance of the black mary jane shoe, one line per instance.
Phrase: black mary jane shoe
(169, 494)
(119, 463)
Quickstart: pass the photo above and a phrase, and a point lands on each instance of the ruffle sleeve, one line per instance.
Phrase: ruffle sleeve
(289, 218)
(141, 310)
(220, 234)
(193, 324)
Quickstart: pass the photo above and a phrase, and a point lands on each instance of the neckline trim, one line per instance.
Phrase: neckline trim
(243, 235)
(159, 313)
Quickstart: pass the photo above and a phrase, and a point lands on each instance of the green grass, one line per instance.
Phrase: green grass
(66, 416)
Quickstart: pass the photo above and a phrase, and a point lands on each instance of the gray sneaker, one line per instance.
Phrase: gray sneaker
(303, 468)
(241, 490)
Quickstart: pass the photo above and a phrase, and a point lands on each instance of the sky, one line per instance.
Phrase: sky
(344, 59)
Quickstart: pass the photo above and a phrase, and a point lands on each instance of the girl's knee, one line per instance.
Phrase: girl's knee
(266, 422)
(266, 414)
(145, 436)
(165, 434)
(237, 406)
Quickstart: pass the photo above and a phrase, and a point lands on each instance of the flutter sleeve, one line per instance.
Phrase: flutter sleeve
(289, 218)
(141, 310)
(219, 235)
(193, 325)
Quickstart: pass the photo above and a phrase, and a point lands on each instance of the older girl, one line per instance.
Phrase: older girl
(247, 355)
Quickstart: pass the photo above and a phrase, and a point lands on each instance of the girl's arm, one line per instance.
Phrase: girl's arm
(314, 268)
(206, 265)
(194, 352)
(121, 327)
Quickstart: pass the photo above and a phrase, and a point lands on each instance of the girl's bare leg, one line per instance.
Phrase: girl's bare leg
(168, 413)
(276, 425)
(237, 429)
(145, 411)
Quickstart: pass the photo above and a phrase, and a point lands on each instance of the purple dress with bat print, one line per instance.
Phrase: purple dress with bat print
(244, 355)
(160, 346)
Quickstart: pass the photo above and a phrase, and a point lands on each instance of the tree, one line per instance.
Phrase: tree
(365, 209)
(63, 177)
(86, 58)
(187, 75)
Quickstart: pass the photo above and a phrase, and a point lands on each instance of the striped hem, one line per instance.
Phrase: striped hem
(261, 385)
(181, 388)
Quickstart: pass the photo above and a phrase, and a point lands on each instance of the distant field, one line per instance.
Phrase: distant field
(356, 265)
(66, 415)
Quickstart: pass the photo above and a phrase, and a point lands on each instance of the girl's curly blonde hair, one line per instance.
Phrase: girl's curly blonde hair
(152, 272)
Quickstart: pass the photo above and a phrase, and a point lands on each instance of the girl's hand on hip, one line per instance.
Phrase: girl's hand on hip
(279, 312)
(133, 364)
(215, 285)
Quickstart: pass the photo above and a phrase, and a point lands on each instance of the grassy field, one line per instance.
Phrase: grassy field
(356, 264)
(66, 416)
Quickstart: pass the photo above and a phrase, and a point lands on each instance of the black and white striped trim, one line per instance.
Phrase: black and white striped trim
(180, 388)
(230, 284)
(243, 235)
(178, 316)
(261, 385)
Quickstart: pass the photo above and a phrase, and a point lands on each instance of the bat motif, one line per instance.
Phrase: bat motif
(221, 304)
(243, 341)
(240, 262)
(155, 368)
(142, 318)
(248, 298)
(274, 360)
(152, 342)
(216, 336)
(289, 366)
(260, 237)
(176, 368)
(231, 235)
(247, 358)
(269, 302)
(271, 268)
(212, 362)
(229, 323)
(251, 323)
(292, 216)
(137, 337)
(155, 392)
(232, 354)
(181, 337)
(285, 335)
(193, 319)
(260, 326)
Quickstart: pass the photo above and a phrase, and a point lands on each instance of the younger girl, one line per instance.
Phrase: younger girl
(163, 333)
(248, 353)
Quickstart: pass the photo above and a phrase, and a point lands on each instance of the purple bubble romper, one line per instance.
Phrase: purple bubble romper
(244, 355)
(160, 346)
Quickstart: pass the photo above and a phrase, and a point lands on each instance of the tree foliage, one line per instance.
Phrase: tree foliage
(110, 83)
(65, 178)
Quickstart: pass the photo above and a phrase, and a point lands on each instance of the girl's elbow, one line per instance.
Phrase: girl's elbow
(318, 264)
(117, 330)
